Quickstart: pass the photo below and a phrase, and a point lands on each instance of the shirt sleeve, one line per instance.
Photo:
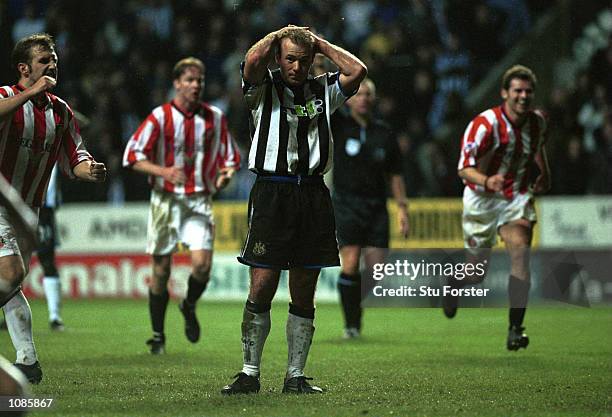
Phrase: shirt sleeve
(337, 95)
(5, 92)
(72, 150)
(253, 94)
(476, 141)
(141, 144)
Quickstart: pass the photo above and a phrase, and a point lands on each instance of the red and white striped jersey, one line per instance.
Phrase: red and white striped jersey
(33, 139)
(493, 145)
(199, 143)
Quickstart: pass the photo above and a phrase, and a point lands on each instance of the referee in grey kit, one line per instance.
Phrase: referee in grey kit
(291, 219)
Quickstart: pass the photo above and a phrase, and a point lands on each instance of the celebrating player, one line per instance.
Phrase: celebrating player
(185, 148)
(366, 155)
(500, 150)
(37, 129)
(291, 219)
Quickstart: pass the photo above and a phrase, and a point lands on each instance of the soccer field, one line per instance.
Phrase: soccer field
(410, 362)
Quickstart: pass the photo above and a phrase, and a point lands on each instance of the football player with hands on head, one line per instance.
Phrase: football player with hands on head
(291, 218)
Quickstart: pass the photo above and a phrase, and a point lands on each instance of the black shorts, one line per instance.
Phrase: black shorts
(47, 231)
(291, 224)
(361, 221)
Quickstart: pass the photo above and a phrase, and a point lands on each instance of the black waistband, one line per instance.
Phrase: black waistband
(294, 179)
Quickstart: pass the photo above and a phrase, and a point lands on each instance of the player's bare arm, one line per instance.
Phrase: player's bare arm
(173, 174)
(493, 182)
(9, 105)
(398, 190)
(90, 171)
(352, 70)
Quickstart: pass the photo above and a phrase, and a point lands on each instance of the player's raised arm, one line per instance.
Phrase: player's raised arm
(11, 103)
(258, 57)
(352, 70)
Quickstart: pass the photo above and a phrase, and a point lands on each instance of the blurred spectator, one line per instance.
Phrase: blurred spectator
(31, 22)
(452, 68)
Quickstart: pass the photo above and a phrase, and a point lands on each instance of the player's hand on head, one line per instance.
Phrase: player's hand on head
(97, 171)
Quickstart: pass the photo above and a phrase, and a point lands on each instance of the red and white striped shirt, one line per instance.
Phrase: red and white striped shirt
(493, 145)
(33, 139)
(199, 143)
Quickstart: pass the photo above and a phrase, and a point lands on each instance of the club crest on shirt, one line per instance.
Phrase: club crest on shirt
(259, 249)
(469, 146)
(352, 146)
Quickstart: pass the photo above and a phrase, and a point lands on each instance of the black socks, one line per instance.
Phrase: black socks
(518, 293)
(349, 287)
(157, 310)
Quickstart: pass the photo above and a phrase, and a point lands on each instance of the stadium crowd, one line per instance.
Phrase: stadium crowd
(425, 56)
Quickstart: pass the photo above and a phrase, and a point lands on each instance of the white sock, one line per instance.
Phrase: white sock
(255, 330)
(53, 293)
(18, 318)
(299, 337)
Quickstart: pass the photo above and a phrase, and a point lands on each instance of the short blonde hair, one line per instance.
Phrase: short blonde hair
(298, 36)
(521, 72)
(183, 64)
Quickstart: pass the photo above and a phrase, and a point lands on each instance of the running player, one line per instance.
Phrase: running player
(503, 164)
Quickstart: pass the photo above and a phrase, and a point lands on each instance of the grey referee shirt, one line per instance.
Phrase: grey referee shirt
(290, 126)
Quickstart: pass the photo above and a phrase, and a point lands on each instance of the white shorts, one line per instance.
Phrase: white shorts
(11, 243)
(174, 219)
(483, 215)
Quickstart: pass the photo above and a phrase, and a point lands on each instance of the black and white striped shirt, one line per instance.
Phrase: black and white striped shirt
(290, 126)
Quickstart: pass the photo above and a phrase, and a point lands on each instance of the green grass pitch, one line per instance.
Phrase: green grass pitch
(410, 362)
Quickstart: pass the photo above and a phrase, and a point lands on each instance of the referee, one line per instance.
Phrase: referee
(291, 219)
(366, 157)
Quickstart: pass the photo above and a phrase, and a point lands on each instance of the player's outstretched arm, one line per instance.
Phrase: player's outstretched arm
(352, 70)
(90, 171)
